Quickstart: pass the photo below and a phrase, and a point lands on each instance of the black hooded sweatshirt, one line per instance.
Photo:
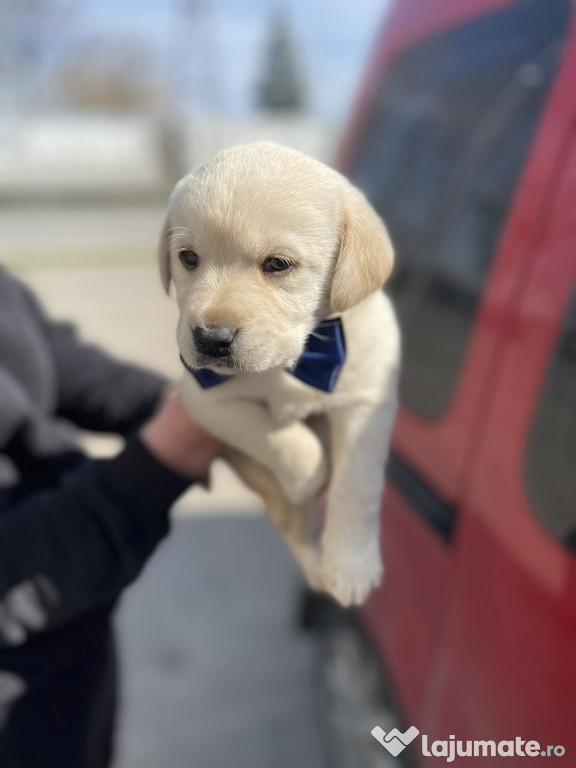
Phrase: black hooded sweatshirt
(74, 532)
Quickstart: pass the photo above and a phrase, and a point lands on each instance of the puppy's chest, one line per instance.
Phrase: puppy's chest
(289, 399)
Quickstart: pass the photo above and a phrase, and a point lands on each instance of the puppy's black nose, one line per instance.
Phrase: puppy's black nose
(213, 341)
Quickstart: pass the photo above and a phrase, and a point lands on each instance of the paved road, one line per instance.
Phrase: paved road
(217, 674)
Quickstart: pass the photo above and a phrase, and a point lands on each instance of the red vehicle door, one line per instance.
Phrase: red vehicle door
(459, 149)
(510, 644)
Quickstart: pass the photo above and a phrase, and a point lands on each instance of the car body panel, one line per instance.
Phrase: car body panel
(477, 628)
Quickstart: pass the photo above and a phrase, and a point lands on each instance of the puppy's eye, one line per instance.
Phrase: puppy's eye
(189, 259)
(276, 264)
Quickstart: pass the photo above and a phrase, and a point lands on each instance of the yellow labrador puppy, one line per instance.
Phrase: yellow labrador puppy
(291, 349)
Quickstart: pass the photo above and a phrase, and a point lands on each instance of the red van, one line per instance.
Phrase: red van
(464, 139)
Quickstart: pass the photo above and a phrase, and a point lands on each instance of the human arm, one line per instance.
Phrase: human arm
(96, 391)
(69, 549)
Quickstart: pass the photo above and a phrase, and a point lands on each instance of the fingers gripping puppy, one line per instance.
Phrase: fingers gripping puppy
(291, 349)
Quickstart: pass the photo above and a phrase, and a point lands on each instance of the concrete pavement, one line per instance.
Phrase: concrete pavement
(217, 674)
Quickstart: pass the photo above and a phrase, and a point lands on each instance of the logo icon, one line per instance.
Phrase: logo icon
(395, 741)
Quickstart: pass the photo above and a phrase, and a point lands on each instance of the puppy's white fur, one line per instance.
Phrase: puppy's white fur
(245, 205)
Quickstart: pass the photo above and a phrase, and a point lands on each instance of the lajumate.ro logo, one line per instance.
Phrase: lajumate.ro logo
(396, 742)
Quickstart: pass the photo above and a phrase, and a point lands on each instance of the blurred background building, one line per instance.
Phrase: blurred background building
(104, 105)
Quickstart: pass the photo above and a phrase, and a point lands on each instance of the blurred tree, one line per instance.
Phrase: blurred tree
(199, 75)
(123, 77)
(104, 77)
(25, 40)
(281, 88)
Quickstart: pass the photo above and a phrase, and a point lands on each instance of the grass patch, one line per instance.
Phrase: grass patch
(33, 260)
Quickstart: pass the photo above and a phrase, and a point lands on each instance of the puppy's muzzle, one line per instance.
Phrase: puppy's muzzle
(213, 341)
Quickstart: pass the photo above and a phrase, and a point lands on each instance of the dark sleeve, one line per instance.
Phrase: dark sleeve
(95, 390)
(16, 409)
(67, 550)
(35, 443)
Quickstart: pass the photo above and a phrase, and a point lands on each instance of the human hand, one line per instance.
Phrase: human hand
(178, 441)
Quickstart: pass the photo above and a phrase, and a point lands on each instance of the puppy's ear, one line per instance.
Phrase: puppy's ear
(366, 255)
(164, 255)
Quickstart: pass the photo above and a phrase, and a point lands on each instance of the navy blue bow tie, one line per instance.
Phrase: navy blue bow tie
(319, 365)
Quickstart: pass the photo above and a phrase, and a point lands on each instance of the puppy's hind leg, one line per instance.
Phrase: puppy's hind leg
(298, 524)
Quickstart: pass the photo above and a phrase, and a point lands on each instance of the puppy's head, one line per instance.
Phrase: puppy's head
(262, 243)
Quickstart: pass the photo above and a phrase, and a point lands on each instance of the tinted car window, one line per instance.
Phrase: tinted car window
(551, 458)
(441, 157)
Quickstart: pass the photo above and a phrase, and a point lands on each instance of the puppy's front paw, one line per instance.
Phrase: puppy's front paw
(305, 477)
(349, 573)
